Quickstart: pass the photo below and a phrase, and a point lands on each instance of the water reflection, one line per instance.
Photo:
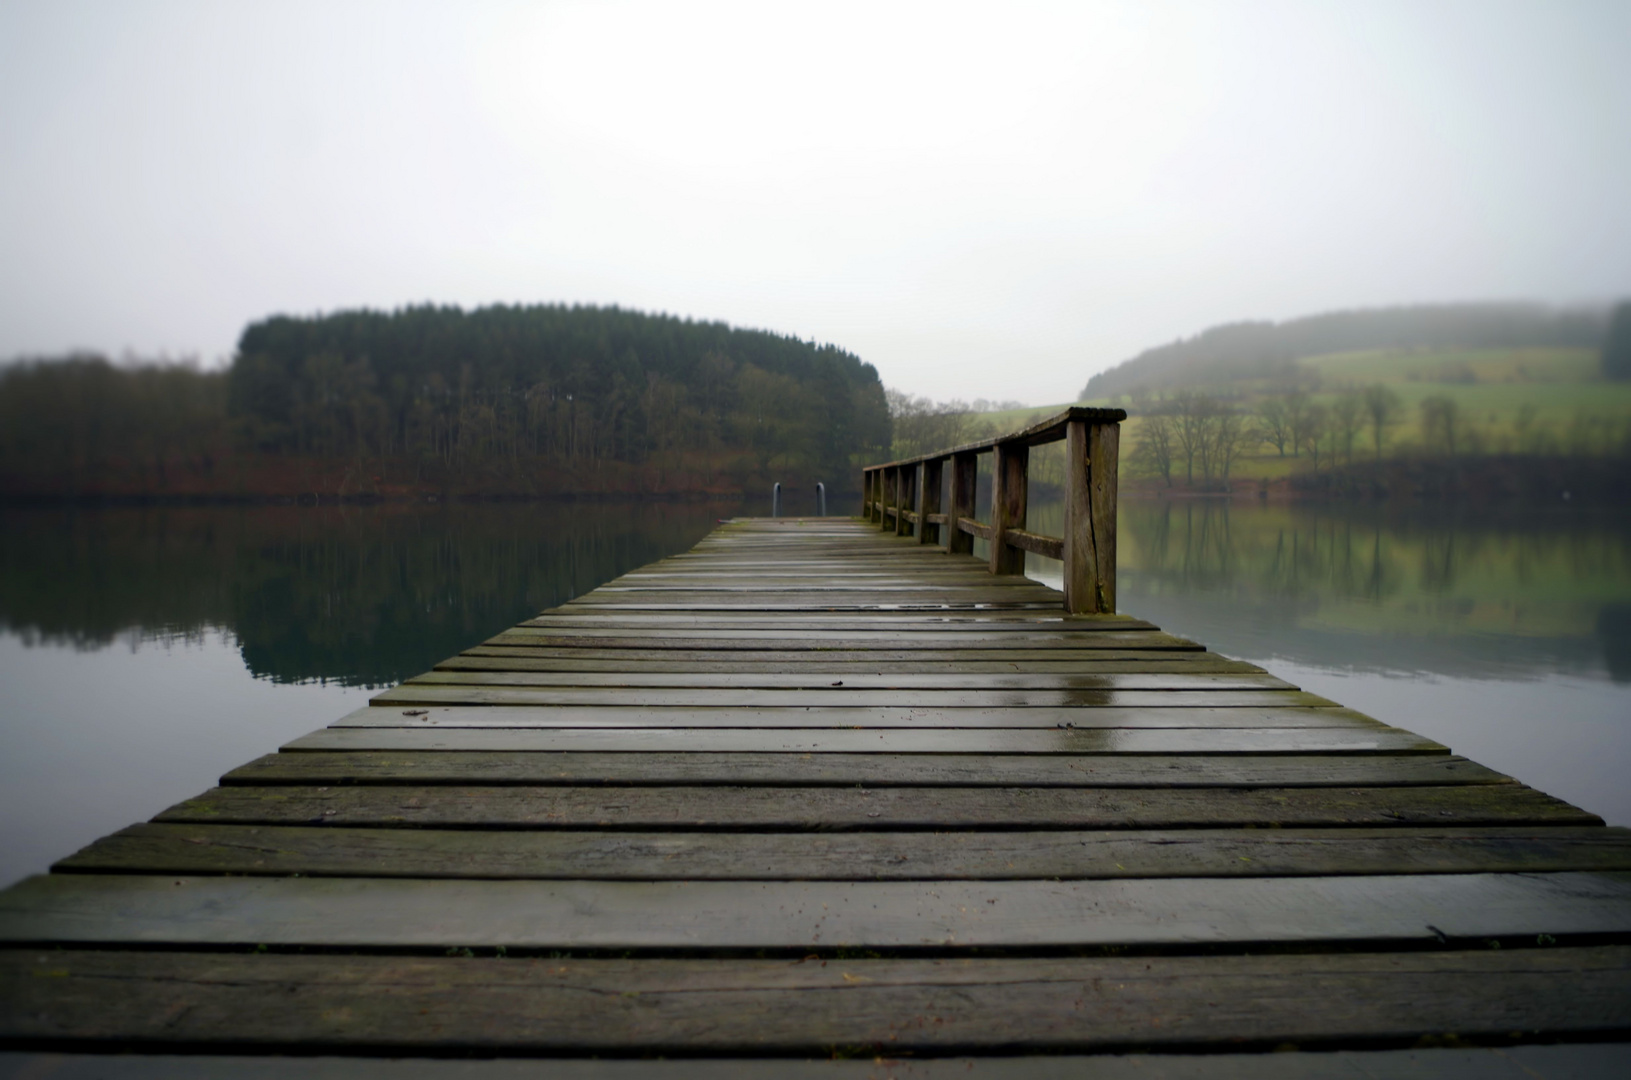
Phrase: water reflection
(363, 597)
(1503, 593)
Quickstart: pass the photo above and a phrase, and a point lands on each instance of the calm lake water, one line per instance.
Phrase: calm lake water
(143, 652)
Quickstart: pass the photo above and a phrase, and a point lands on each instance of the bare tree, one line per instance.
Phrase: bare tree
(922, 426)
(1154, 451)
(1230, 434)
(1314, 429)
(1189, 429)
(1347, 418)
(1382, 408)
(1297, 417)
(1274, 423)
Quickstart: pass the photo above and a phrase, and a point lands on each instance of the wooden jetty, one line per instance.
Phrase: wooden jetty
(815, 789)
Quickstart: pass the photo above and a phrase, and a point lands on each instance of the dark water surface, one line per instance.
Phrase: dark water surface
(145, 651)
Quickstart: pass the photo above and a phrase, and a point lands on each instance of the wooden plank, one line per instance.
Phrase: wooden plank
(845, 770)
(894, 1006)
(703, 856)
(485, 659)
(828, 717)
(1058, 741)
(1504, 1062)
(839, 640)
(789, 809)
(945, 573)
(617, 915)
(952, 598)
(821, 686)
(979, 620)
(898, 659)
(451, 689)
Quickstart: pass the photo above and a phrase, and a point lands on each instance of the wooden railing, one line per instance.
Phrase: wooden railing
(905, 496)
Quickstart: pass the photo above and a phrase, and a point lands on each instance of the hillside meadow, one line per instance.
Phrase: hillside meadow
(1538, 402)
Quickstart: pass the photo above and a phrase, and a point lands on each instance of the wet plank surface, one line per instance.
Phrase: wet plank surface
(717, 780)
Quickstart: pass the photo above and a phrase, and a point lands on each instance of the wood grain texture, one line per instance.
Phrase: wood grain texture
(1009, 496)
(867, 1006)
(927, 808)
(1116, 741)
(454, 688)
(820, 686)
(893, 856)
(1554, 1061)
(483, 768)
(794, 915)
(826, 716)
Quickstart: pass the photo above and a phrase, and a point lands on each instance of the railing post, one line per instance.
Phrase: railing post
(1104, 458)
(903, 480)
(1008, 495)
(1081, 557)
(889, 481)
(1090, 517)
(928, 501)
(965, 474)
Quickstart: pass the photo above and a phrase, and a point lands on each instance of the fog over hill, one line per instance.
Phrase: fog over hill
(1255, 350)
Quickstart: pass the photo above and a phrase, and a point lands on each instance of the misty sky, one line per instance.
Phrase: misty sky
(988, 200)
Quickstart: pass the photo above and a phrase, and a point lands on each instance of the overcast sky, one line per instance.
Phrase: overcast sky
(985, 200)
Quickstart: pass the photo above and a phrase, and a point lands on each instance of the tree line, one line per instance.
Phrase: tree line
(508, 397)
(1192, 436)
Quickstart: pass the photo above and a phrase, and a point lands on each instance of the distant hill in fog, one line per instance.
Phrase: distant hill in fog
(1261, 350)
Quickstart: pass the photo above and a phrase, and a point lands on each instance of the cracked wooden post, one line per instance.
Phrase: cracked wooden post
(1090, 517)
(1009, 466)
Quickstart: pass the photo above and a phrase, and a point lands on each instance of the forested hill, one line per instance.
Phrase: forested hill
(568, 383)
(1251, 350)
(511, 401)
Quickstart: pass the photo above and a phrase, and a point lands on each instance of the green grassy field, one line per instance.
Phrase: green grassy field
(1560, 389)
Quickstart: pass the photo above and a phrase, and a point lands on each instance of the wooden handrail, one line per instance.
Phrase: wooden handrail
(904, 496)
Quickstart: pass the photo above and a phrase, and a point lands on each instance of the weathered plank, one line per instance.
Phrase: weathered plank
(873, 1006)
(638, 661)
(1501, 1062)
(821, 686)
(1113, 741)
(845, 770)
(825, 716)
(727, 807)
(456, 689)
(836, 640)
(702, 856)
(800, 915)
